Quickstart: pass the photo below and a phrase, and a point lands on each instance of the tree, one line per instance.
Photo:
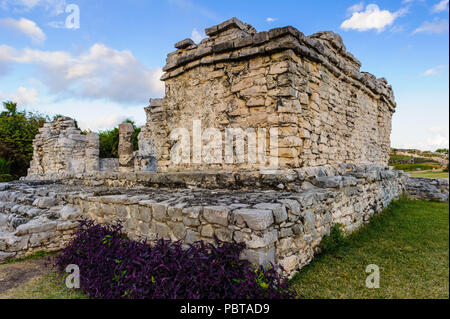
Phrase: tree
(17, 132)
(11, 108)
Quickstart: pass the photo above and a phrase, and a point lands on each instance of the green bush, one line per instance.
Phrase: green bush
(416, 167)
(17, 132)
(336, 239)
(399, 159)
(6, 178)
(5, 166)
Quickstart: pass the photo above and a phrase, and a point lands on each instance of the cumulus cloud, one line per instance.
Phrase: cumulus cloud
(434, 27)
(26, 27)
(371, 18)
(99, 73)
(269, 19)
(197, 36)
(22, 96)
(441, 6)
(434, 71)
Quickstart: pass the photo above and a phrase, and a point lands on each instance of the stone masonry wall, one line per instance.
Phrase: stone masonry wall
(308, 87)
(282, 227)
(60, 147)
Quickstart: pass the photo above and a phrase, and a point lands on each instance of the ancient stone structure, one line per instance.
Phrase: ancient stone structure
(300, 102)
(61, 148)
(309, 88)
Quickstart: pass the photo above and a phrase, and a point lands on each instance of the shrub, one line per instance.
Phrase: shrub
(446, 169)
(416, 167)
(5, 166)
(6, 178)
(17, 131)
(114, 267)
(336, 239)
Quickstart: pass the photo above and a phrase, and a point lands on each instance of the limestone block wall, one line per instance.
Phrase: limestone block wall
(307, 87)
(60, 147)
(33, 219)
(284, 228)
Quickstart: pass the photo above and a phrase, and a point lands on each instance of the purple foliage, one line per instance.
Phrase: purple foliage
(114, 267)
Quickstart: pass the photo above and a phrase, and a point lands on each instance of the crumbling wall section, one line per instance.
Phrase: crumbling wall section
(60, 147)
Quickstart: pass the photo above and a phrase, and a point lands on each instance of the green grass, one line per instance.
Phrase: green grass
(38, 254)
(417, 167)
(438, 174)
(410, 244)
(49, 286)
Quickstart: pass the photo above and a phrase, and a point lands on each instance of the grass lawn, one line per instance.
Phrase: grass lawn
(48, 286)
(410, 244)
(429, 174)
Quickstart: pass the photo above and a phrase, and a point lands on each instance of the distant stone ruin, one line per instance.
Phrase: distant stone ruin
(267, 138)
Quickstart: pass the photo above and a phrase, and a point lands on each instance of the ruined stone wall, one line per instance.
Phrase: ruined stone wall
(60, 147)
(310, 88)
(280, 227)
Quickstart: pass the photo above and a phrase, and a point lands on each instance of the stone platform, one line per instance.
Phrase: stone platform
(283, 226)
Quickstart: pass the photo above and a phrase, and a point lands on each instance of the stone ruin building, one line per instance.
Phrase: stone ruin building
(320, 125)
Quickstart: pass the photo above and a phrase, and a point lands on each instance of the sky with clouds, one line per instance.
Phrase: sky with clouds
(104, 66)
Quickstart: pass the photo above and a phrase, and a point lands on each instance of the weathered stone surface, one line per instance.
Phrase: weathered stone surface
(256, 219)
(429, 189)
(125, 150)
(69, 212)
(279, 211)
(216, 214)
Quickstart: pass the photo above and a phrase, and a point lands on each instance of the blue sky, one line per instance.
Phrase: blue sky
(107, 68)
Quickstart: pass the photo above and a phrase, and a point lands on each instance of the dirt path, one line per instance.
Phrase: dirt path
(17, 274)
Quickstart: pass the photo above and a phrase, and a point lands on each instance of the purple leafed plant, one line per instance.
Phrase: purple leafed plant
(114, 267)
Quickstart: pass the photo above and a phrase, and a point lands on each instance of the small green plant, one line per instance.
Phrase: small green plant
(334, 240)
(5, 166)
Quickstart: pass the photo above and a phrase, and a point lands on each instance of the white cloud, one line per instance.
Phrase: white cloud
(441, 6)
(434, 71)
(438, 138)
(95, 115)
(22, 96)
(99, 73)
(355, 8)
(270, 20)
(434, 27)
(53, 7)
(26, 27)
(197, 36)
(372, 18)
